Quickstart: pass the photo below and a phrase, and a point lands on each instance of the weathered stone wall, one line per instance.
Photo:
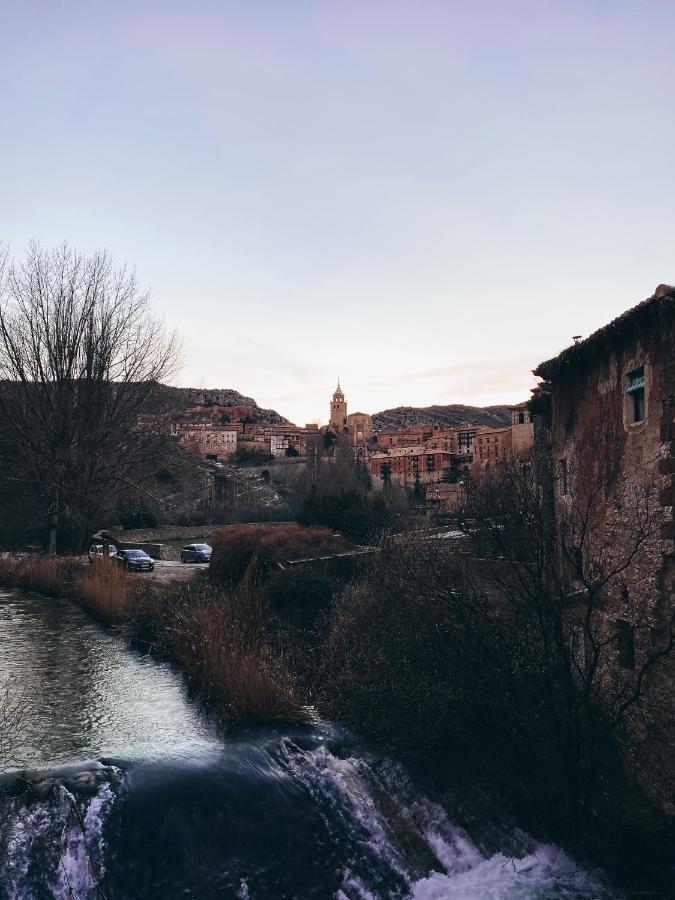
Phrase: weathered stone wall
(621, 475)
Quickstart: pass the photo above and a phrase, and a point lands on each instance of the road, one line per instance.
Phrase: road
(175, 570)
(169, 569)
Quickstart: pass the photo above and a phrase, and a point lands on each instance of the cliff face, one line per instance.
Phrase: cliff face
(448, 416)
(178, 400)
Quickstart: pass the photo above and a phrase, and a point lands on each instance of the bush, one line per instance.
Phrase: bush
(257, 549)
(250, 454)
(351, 512)
(307, 594)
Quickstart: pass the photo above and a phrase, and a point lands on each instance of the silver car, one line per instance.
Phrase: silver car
(195, 553)
(96, 552)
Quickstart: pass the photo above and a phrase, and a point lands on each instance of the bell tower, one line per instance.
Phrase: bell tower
(338, 410)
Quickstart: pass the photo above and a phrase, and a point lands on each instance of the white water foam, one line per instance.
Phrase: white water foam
(545, 871)
(82, 849)
(463, 872)
(548, 872)
(57, 843)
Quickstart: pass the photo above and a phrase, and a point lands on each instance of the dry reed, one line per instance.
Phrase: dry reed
(106, 589)
(218, 639)
(50, 575)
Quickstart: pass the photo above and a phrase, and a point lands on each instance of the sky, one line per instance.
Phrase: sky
(423, 198)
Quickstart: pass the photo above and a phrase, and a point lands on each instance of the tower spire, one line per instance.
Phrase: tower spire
(338, 409)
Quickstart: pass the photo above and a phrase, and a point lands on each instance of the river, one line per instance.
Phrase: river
(120, 786)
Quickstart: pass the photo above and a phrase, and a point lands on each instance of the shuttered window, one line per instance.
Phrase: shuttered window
(636, 392)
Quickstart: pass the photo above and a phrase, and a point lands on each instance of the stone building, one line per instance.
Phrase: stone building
(490, 447)
(337, 421)
(606, 413)
(211, 441)
(465, 436)
(404, 466)
(360, 426)
(522, 428)
(354, 430)
(413, 436)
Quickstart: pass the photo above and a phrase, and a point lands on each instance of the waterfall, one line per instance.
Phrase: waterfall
(287, 817)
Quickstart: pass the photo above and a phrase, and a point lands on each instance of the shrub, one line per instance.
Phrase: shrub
(243, 548)
(307, 594)
(350, 511)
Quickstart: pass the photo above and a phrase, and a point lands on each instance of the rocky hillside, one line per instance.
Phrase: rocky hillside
(177, 400)
(448, 416)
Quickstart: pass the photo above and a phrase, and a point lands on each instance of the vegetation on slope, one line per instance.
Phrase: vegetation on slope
(447, 416)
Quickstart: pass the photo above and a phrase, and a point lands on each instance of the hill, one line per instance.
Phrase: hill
(448, 416)
(178, 401)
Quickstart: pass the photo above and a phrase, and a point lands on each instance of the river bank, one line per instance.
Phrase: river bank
(276, 649)
(123, 787)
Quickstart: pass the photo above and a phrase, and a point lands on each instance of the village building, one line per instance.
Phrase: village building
(490, 447)
(210, 441)
(463, 446)
(605, 411)
(360, 427)
(442, 439)
(444, 497)
(288, 442)
(407, 466)
(522, 428)
(354, 429)
(405, 437)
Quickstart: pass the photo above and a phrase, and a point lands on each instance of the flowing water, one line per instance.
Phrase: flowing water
(120, 787)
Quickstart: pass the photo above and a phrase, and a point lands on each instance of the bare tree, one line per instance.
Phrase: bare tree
(548, 568)
(478, 646)
(80, 356)
(16, 721)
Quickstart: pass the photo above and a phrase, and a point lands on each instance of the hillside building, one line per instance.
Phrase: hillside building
(407, 466)
(522, 428)
(490, 447)
(210, 441)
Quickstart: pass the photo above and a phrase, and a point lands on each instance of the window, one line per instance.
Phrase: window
(636, 394)
(625, 639)
(521, 418)
(563, 476)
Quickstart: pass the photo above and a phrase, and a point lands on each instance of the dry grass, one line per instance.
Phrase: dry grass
(218, 640)
(107, 590)
(50, 575)
(244, 681)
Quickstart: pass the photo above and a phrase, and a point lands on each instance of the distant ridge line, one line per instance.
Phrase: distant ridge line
(448, 416)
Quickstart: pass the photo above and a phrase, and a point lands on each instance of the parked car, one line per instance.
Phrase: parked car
(135, 560)
(96, 551)
(195, 553)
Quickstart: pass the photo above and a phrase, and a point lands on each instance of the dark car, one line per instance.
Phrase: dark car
(135, 560)
(195, 553)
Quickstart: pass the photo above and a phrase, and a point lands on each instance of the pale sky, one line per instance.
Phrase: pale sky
(424, 198)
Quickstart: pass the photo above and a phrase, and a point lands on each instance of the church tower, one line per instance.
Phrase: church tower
(338, 410)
